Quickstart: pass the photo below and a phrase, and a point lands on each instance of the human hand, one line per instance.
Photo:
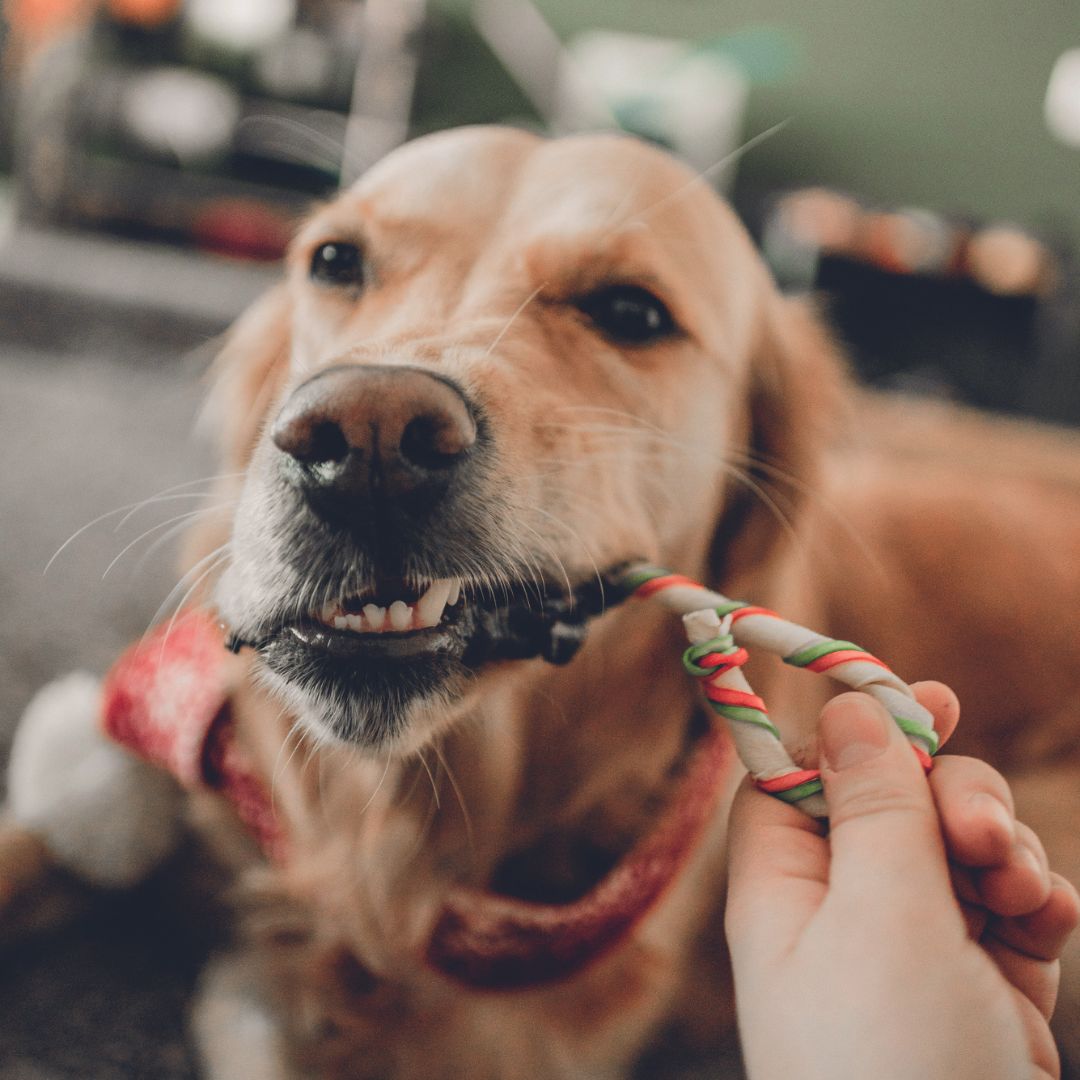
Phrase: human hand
(918, 939)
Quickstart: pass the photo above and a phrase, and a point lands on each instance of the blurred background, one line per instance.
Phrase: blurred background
(918, 164)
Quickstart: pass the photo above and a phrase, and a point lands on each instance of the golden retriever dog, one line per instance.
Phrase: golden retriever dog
(500, 366)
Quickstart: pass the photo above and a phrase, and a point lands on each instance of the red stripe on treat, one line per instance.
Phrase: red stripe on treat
(659, 584)
(725, 695)
(723, 662)
(716, 660)
(842, 656)
(741, 613)
(925, 760)
(791, 780)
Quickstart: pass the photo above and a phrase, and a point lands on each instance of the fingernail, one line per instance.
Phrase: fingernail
(854, 729)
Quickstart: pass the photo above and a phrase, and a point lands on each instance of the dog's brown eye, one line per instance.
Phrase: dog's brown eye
(337, 263)
(628, 314)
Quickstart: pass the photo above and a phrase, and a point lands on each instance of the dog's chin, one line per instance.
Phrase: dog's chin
(377, 693)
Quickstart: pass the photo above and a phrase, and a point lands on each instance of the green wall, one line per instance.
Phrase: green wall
(935, 102)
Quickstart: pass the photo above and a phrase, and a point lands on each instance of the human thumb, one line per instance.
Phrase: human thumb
(884, 829)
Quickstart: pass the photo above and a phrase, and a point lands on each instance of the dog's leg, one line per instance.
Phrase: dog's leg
(80, 809)
(234, 1026)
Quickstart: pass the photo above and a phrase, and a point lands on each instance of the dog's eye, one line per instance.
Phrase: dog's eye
(628, 314)
(337, 263)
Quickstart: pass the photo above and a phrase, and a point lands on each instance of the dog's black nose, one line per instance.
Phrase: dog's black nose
(381, 433)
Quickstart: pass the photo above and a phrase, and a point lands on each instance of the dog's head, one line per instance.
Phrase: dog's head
(498, 364)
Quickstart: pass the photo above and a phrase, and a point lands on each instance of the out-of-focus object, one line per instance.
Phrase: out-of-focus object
(529, 49)
(144, 12)
(810, 224)
(214, 122)
(240, 26)
(179, 113)
(1062, 106)
(33, 22)
(1009, 261)
(936, 304)
(383, 84)
(688, 99)
(688, 96)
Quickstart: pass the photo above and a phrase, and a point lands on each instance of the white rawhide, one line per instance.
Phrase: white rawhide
(720, 630)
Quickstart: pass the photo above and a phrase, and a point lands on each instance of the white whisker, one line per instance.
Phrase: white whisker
(465, 815)
(513, 318)
(434, 786)
(211, 561)
(130, 507)
(182, 518)
(718, 166)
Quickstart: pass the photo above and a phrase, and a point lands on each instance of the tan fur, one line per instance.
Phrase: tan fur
(953, 559)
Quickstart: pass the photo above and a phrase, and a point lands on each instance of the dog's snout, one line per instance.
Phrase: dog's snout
(366, 431)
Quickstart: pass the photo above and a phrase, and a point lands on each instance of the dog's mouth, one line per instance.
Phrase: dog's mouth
(363, 659)
(391, 619)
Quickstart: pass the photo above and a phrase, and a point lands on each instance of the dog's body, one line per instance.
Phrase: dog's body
(618, 364)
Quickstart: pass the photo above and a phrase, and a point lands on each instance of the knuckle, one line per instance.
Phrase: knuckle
(889, 799)
(955, 777)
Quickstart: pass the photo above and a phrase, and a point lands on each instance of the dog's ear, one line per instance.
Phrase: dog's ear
(796, 407)
(245, 380)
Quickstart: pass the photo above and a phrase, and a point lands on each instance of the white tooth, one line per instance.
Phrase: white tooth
(429, 607)
(455, 591)
(375, 616)
(341, 622)
(400, 615)
(356, 623)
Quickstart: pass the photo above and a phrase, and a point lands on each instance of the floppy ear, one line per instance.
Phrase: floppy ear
(244, 382)
(796, 408)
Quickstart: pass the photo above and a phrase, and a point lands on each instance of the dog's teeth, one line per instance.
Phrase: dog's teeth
(375, 616)
(400, 615)
(429, 608)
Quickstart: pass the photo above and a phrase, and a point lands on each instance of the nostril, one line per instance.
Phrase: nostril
(327, 443)
(310, 440)
(433, 443)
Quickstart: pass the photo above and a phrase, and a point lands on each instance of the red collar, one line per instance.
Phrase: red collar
(165, 699)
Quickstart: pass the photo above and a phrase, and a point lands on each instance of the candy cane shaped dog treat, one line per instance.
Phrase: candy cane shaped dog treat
(721, 630)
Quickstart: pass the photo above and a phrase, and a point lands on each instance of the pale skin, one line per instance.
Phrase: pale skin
(919, 940)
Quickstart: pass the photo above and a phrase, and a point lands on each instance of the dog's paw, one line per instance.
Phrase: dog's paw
(101, 813)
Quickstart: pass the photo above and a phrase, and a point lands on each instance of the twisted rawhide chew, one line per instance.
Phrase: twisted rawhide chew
(720, 631)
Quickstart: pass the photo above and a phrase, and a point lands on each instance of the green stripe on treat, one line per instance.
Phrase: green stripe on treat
(815, 652)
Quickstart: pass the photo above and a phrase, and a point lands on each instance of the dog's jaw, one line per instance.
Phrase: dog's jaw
(394, 726)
